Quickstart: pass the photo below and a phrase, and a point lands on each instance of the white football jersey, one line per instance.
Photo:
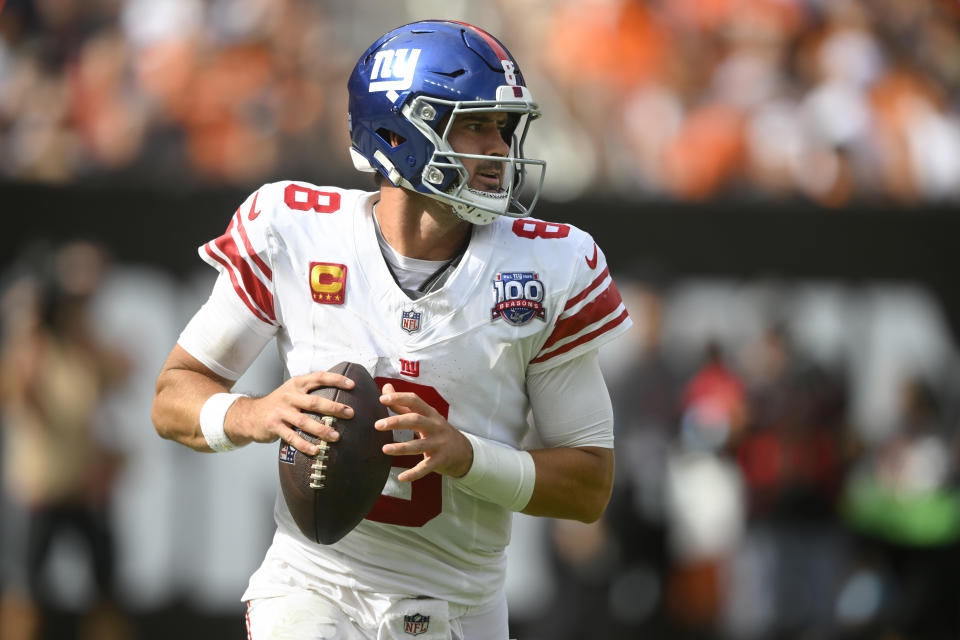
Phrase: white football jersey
(526, 296)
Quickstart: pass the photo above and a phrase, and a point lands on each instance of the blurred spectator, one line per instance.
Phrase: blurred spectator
(791, 455)
(585, 561)
(902, 498)
(58, 468)
(792, 452)
(832, 102)
(705, 501)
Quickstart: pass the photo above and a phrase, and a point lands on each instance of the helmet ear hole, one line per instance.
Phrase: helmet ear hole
(391, 138)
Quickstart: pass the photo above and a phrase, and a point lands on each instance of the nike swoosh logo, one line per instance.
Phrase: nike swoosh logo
(592, 262)
(253, 214)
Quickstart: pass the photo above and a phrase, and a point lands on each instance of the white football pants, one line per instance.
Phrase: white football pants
(307, 615)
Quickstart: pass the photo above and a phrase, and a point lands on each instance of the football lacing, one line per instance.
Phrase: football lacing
(319, 461)
(318, 467)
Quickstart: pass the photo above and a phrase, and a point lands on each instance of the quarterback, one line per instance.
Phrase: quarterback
(475, 319)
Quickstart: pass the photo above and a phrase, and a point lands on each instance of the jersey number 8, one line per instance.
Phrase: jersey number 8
(426, 494)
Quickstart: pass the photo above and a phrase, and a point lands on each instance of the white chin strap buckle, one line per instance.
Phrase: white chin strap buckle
(472, 214)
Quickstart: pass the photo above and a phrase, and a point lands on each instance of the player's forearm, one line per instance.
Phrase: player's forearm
(572, 483)
(177, 404)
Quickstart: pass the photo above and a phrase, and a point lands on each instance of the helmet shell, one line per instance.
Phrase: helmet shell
(448, 60)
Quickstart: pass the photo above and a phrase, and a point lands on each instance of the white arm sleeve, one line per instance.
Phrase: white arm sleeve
(223, 335)
(571, 404)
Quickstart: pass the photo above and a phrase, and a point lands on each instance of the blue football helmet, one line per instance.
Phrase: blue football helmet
(408, 88)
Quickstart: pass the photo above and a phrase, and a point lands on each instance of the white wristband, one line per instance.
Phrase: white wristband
(211, 420)
(499, 474)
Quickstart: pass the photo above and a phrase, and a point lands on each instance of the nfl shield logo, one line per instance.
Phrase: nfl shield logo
(410, 321)
(287, 453)
(416, 624)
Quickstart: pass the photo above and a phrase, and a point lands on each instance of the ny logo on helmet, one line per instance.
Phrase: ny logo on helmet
(399, 64)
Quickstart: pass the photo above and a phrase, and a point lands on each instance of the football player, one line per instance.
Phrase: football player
(470, 314)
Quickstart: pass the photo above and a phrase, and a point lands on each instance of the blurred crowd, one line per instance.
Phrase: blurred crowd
(825, 100)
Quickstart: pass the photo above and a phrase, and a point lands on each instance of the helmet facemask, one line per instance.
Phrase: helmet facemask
(444, 174)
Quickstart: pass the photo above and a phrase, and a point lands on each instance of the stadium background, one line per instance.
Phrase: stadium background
(775, 184)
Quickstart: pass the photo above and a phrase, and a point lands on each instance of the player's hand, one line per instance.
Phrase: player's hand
(444, 449)
(279, 414)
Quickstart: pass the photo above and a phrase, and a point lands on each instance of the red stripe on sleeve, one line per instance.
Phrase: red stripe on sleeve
(585, 338)
(259, 293)
(246, 243)
(236, 284)
(604, 304)
(593, 285)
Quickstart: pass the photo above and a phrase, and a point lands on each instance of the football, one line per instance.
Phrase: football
(330, 493)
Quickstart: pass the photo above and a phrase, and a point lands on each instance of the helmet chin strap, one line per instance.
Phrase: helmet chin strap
(467, 212)
(483, 207)
(486, 199)
(472, 205)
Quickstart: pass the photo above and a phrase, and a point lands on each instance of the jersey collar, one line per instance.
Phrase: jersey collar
(460, 284)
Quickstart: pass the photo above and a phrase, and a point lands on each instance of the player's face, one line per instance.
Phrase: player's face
(481, 133)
